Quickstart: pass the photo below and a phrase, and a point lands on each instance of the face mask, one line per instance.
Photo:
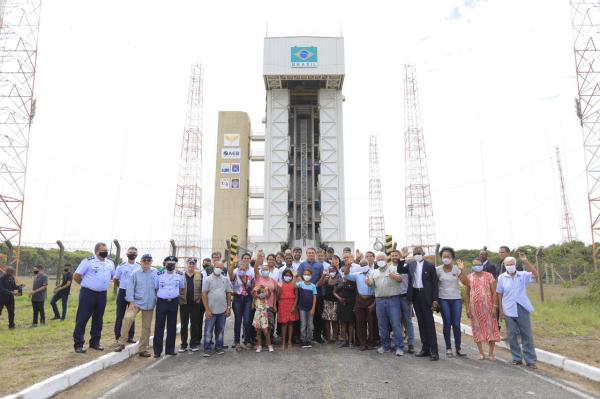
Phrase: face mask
(262, 295)
(131, 256)
(306, 278)
(287, 279)
(477, 268)
(209, 270)
(511, 269)
(332, 274)
(170, 267)
(381, 263)
(217, 271)
(102, 254)
(447, 261)
(35, 272)
(241, 273)
(264, 273)
(66, 270)
(419, 258)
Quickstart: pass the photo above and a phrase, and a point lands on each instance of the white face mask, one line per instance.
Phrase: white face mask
(287, 279)
(511, 269)
(447, 261)
(381, 263)
(419, 258)
(306, 277)
(217, 271)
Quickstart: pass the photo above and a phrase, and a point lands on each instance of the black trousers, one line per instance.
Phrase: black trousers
(426, 323)
(121, 308)
(166, 314)
(9, 302)
(318, 319)
(190, 314)
(38, 310)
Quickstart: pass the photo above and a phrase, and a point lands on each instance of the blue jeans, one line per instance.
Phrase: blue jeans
(63, 296)
(242, 311)
(407, 317)
(521, 326)
(216, 323)
(388, 312)
(451, 310)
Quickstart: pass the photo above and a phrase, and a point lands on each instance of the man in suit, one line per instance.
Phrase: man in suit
(487, 265)
(423, 291)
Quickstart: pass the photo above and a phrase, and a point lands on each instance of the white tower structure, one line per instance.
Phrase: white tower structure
(188, 199)
(376, 221)
(567, 224)
(304, 164)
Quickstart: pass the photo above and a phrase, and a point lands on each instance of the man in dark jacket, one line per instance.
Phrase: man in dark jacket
(487, 265)
(8, 290)
(423, 289)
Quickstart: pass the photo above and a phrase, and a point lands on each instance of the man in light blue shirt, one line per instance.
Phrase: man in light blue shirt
(515, 308)
(94, 275)
(364, 310)
(169, 285)
(122, 275)
(141, 296)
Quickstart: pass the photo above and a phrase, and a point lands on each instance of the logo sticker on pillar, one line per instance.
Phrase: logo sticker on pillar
(226, 167)
(231, 140)
(235, 168)
(235, 184)
(231, 153)
(225, 183)
(304, 57)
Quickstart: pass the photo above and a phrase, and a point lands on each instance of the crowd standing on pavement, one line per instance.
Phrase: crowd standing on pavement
(350, 300)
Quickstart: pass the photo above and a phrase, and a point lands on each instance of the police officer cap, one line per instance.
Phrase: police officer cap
(192, 260)
(146, 256)
(171, 259)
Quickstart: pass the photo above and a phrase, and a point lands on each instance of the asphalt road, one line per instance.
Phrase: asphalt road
(328, 372)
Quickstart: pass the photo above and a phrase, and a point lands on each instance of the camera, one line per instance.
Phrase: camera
(20, 288)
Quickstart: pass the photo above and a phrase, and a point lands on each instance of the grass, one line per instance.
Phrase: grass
(28, 355)
(566, 322)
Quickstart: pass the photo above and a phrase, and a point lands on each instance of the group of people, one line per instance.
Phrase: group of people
(353, 300)
(38, 294)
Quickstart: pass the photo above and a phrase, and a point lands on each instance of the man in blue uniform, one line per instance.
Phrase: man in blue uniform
(122, 275)
(169, 285)
(94, 275)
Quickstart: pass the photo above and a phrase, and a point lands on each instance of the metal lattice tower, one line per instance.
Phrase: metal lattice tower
(567, 225)
(585, 19)
(420, 228)
(19, 30)
(188, 201)
(376, 222)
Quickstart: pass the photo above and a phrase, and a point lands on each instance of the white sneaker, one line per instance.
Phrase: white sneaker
(182, 349)
(399, 352)
(271, 348)
(381, 350)
(258, 349)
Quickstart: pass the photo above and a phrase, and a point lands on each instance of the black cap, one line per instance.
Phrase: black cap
(171, 259)
(192, 260)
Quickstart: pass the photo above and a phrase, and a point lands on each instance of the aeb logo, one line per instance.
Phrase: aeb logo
(304, 57)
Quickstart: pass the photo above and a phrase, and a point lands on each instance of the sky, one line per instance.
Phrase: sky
(496, 82)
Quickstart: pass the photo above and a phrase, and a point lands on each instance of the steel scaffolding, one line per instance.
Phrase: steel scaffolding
(376, 221)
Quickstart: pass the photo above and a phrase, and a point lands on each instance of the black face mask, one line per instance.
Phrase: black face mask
(66, 270)
(131, 256)
(35, 271)
(209, 270)
(102, 254)
(170, 267)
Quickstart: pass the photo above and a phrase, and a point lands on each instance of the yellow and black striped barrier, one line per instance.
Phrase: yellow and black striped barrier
(233, 248)
(389, 246)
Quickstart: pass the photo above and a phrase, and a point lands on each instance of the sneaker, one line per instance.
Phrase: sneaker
(258, 349)
(449, 353)
(306, 345)
(206, 354)
(411, 349)
(194, 349)
(220, 351)
(381, 350)
(271, 348)
(399, 352)
(182, 349)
